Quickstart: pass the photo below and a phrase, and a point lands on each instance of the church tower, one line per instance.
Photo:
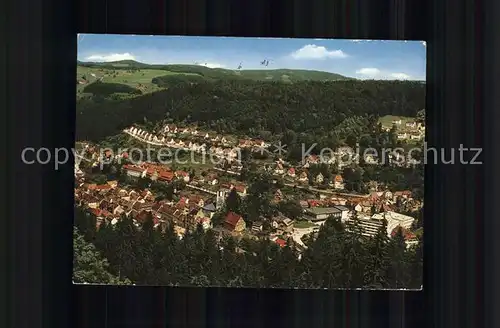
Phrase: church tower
(221, 199)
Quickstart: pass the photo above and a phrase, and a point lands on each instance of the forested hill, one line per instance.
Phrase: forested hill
(232, 106)
(207, 73)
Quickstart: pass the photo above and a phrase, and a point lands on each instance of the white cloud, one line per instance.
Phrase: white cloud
(312, 51)
(400, 76)
(212, 65)
(369, 72)
(111, 57)
(375, 73)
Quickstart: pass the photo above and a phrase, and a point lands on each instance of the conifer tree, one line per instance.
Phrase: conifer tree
(89, 266)
(377, 261)
(397, 273)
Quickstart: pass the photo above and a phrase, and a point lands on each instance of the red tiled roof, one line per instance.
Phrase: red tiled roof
(142, 216)
(280, 242)
(291, 170)
(91, 186)
(106, 213)
(313, 202)
(165, 175)
(103, 187)
(95, 211)
(232, 219)
(338, 178)
(240, 188)
(408, 235)
(156, 206)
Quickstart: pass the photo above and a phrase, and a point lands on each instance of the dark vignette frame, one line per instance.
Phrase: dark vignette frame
(42, 52)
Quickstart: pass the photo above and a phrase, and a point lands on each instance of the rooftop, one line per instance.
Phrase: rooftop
(322, 210)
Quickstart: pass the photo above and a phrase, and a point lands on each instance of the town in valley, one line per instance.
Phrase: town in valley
(208, 176)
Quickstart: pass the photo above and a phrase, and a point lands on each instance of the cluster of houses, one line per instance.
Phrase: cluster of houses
(301, 175)
(155, 172)
(217, 146)
(410, 130)
(109, 202)
(206, 194)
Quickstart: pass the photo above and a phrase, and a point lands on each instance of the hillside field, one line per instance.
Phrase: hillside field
(140, 76)
(386, 121)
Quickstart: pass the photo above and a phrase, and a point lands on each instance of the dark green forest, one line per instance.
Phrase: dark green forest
(107, 89)
(325, 112)
(336, 258)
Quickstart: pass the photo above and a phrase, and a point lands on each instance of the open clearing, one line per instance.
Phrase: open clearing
(387, 120)
(141, 79)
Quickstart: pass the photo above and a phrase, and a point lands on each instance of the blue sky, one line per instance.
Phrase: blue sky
(369, 59)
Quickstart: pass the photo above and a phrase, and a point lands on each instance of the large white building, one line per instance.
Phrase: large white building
(393, 220)
(368, 226)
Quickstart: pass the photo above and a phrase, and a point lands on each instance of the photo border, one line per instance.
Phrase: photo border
(40, 203)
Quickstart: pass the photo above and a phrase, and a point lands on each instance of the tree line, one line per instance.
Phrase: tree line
(313, 110)
(336, 258)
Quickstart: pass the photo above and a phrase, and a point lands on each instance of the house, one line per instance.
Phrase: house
(234, 222)
(197, 200)
(279, 169)
(344, 212)
(287, 222)
(388, 194)
(241, 189)
(118, 210)
(338, 182)
(280, 242)
(209, 208)
(206, 223)
(318, 214)
(165, 176)
(291, 172)
(320, 178)
(397, 122)
(278, 195)
(134, 171)
(179, 231)
(182, 175)
(212, 181)
(411, 124)
(402, 136)
(303, 177)
(405, 194)
(257, 226)
(370, 159)
(244, 143)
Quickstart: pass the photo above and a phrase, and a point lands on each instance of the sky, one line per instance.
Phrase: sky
(363, 59)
